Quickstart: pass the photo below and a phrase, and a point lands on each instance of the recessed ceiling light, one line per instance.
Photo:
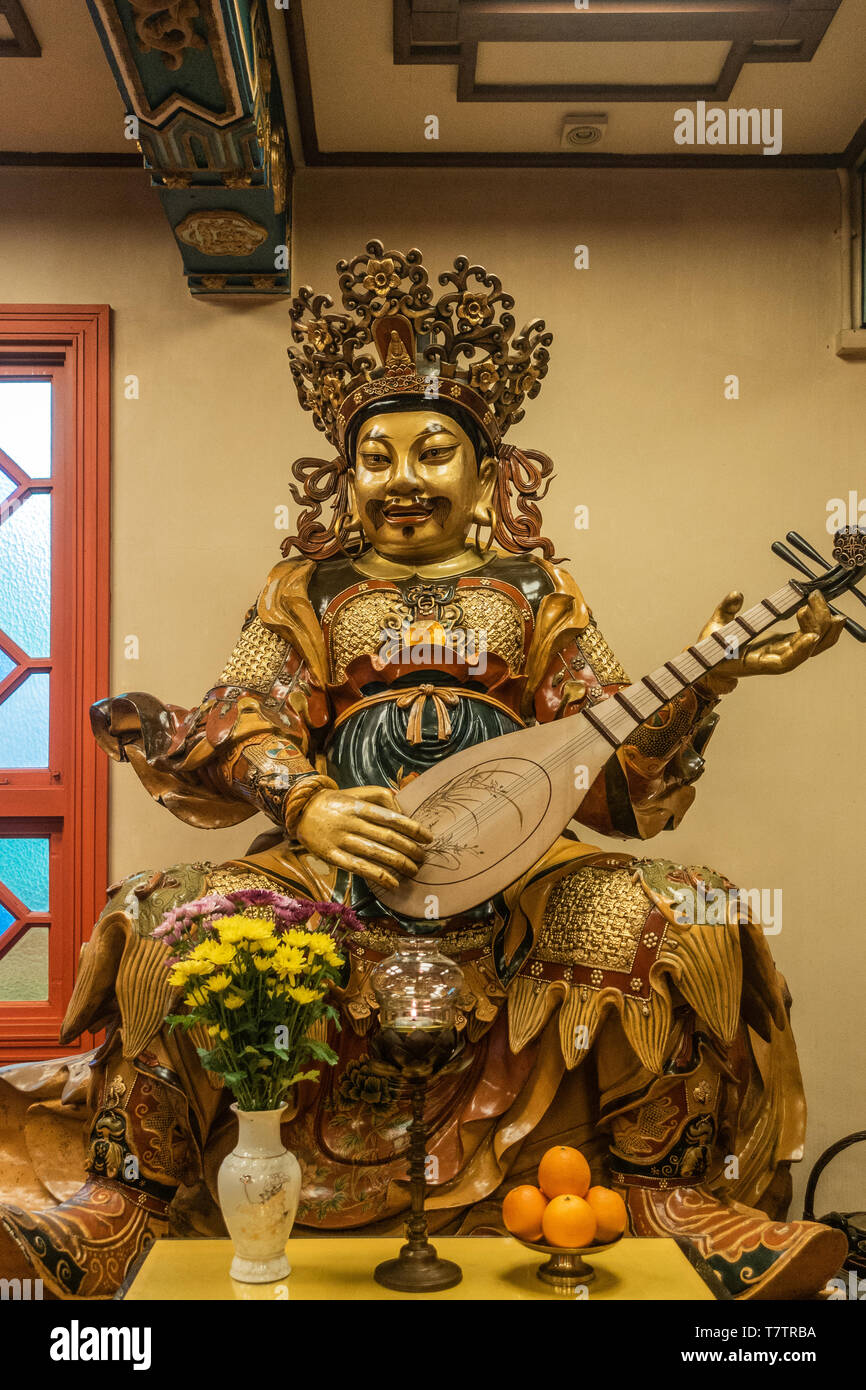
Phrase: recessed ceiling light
(580, 131)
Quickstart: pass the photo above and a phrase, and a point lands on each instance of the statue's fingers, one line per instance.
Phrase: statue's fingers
(381, 855)
(724, 612)
(394, 820)
(814, 616)
(373, 873)
(730, 605)
(380, 796)
(797, 649)
(830, 636)
(384, 835)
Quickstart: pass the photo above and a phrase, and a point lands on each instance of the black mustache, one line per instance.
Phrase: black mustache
(439, 509)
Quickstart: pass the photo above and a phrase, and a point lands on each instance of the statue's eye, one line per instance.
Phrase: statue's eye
(375, 458)
(436, 452)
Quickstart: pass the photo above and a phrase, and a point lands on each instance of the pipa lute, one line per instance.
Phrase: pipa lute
(495, 808)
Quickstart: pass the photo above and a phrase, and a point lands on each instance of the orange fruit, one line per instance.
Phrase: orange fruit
(563, 1170)
(568, 1221)
(522, 1210)
(610, 1212)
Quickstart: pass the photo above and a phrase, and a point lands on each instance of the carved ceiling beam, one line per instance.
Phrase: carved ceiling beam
(199, 78)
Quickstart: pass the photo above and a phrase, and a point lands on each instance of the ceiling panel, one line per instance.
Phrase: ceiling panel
(66, 99)
(349, 53)
(626, 63)
(355, 101)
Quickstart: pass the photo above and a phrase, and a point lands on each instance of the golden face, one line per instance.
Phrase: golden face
(417, 487)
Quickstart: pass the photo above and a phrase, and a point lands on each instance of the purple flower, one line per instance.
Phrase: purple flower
(258, 897)
(187, 923)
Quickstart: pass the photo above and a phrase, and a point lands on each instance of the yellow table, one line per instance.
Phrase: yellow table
(339, 1268)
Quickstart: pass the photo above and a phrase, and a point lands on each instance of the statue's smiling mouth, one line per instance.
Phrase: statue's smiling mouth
(413, 512)
(408, 513)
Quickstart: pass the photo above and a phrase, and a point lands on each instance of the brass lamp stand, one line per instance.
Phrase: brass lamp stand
(416, 988)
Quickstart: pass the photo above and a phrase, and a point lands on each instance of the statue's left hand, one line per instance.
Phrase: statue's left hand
(770, 655)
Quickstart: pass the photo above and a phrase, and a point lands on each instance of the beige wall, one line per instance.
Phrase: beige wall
(692, 276)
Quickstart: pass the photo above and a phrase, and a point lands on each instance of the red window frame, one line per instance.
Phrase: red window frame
(68, 801)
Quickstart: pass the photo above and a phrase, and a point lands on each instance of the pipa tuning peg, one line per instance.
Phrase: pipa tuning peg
(800, 543)
(849, 547)
(779, 548)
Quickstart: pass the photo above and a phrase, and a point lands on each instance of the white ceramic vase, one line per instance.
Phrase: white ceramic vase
(259, 1186)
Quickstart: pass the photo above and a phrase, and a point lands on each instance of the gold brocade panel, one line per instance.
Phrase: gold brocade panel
(256, 660)
(593, 918)
(607, 669)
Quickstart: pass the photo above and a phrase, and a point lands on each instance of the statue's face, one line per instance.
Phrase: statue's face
(417, 484)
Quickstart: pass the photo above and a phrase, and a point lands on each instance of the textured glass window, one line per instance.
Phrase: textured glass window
(53, 640)
(25, 574)
(24, 869)
(24, 723)
(25, 425)
(24, 968)
(25, 570)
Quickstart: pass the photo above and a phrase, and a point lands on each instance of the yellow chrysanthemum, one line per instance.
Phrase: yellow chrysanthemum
(288, 960)
(302, 994)
(262, 963)
(265, 946)
(243, 929)
(217, 983)
(234, 1001)
(219, 952)
(295, 937)
(318, 942)
(197, 997)
(224, 1034)
(195, 964)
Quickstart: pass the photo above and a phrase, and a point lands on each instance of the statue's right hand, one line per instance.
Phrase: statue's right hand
(363, 831)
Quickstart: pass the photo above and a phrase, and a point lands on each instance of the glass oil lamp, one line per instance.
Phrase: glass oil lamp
(416, 989)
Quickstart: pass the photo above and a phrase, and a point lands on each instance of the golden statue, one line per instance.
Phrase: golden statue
(423, 615)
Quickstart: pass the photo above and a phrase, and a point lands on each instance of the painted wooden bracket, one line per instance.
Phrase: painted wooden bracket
(203, 102)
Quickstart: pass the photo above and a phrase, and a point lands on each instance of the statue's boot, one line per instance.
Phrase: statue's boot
(141, 1149)
(666, 1164)
(755, 1258)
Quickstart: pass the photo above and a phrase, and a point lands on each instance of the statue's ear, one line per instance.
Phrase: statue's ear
(487, 477)
(484, 512)
(352, 499)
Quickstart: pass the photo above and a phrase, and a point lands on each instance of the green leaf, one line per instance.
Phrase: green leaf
(314, 1048)
(303, 1076)
(181, 1020)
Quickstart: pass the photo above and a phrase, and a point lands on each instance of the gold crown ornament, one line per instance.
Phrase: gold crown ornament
(424, 348)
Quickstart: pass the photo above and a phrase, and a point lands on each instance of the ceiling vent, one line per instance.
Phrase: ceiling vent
(579, 132)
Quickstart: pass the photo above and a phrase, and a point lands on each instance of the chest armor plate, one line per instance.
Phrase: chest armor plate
(470, 616)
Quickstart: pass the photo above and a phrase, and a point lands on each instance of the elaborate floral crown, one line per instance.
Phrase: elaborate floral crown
(421, 345)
